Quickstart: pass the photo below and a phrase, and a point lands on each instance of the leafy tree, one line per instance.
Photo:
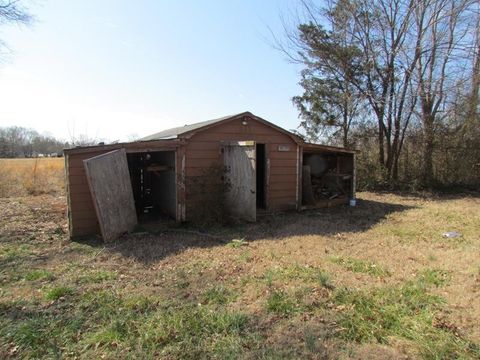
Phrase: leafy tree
(329, 103)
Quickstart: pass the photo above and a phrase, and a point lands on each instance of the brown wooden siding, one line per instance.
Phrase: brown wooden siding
(203, 150)
(81, 212)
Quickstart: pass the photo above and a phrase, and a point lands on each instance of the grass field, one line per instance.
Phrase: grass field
(20, 177)
(377, 281)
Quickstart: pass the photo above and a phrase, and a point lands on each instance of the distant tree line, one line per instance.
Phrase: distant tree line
(397, 79)
(16, 141)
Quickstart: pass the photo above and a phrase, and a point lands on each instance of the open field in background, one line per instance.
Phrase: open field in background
(20, 177)
(377, 281)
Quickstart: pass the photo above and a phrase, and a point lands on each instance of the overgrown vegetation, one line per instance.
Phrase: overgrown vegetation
(398, 80)
(210, 190)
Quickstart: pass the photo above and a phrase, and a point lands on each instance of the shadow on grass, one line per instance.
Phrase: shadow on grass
(445, 193)
(148, 247)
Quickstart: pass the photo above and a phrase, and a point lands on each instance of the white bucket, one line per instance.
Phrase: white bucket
(353, 202)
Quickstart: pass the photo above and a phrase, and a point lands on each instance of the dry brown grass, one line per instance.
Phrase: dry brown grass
(283, 275)
(20, 177)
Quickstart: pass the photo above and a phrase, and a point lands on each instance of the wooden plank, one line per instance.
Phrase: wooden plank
(204, 154)
(218, 136)
(241, 196)
(276, 155)
(282, 193)
(109, 182)
(77, 180)
(195, 145)
(328, 203)
(283, 186)
(299, 176)
(85, 223)
(181, 185)
(282, 205)
(202, 163)
(142, 146)
(80, 190)
(76, 171)
(283, 163)
(236, 126)
(354, 177)
(290, 170)
(307, 189)
(84, 214)
(82, 203)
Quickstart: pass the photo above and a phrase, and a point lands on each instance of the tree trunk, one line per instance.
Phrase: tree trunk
(381, 135)
(345, 124)
(428, 137)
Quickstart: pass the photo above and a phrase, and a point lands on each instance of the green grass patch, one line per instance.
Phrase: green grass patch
(95, 276)
(298, 272)
(39, 274)
(360, 266)
(218, 295)
(110, 324)
(58, 292)
(281, 303)
(406, 311)
(236, 243)
(193, 331)
(9, 254)
(433, 277)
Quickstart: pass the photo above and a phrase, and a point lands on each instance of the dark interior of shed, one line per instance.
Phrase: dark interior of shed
(153, 183)
(261, 173)
(327, 178)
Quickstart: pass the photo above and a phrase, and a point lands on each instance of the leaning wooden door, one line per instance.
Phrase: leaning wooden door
(239, 161)
(109, 181)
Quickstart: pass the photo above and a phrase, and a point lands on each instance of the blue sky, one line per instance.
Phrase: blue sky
(114, 68)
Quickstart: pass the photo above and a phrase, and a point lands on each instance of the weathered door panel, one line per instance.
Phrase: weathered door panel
(239, 160)
(111, 189)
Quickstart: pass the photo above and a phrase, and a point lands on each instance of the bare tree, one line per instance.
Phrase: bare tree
(12, 11)
(376, 35)
(442, 27)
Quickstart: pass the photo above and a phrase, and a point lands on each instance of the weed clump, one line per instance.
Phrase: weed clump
(361, 266)
(279, 302)
(58, 292)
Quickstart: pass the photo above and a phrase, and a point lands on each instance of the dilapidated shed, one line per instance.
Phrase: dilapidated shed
(174, 172)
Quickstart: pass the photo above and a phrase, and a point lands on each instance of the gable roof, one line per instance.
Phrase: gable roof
(174, 133)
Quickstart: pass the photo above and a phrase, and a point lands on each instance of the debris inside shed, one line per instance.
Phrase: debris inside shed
(326, 177)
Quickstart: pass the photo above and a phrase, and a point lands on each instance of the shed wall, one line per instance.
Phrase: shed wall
(81, 211)
(203, 150)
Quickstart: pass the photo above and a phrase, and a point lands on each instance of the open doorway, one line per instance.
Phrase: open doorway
(154, 184)
(261, 175)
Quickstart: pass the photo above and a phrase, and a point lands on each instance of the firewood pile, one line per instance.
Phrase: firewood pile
(329, 186)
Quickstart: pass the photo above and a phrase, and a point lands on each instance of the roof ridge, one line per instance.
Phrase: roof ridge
(172, 133)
